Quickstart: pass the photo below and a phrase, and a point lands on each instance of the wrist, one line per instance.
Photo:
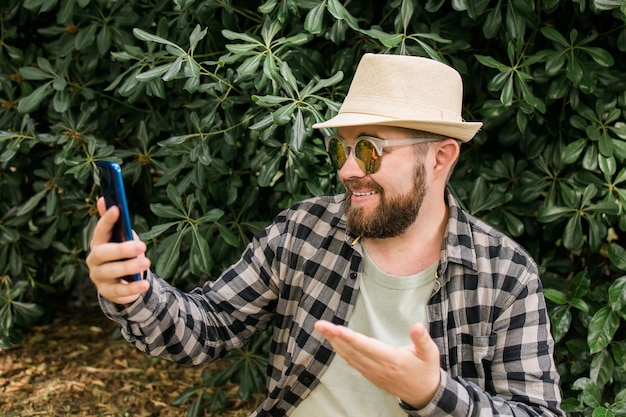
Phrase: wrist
(427, 392)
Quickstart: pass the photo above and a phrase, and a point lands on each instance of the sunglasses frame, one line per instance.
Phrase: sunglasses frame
(379, 145)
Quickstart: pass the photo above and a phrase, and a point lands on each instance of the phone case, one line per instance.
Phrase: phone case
(112, 186)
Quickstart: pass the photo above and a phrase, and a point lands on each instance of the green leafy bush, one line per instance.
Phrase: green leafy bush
(209, 104)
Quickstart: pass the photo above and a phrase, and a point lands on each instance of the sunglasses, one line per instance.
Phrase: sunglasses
(368, 150)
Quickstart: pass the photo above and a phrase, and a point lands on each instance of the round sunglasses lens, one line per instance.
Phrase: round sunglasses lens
(366, 156)
(337, 153)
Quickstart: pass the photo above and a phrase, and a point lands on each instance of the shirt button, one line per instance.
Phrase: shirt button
(306, 380)
(353, 275)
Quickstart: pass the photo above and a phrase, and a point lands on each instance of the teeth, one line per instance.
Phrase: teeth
(364, 194)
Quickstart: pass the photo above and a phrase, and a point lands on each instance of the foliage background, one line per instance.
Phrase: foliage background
(208, 105)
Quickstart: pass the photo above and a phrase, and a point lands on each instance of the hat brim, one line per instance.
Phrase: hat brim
(463, 131)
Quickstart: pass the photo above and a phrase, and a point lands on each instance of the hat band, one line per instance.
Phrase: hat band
(397, 109)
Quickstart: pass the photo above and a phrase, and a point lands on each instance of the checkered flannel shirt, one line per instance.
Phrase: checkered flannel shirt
(487, 314)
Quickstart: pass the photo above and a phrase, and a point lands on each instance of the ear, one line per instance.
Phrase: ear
(446, 153)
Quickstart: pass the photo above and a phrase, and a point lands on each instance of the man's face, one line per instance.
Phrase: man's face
(386, 203)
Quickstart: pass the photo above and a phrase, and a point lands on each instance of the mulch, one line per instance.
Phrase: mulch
(75, 367)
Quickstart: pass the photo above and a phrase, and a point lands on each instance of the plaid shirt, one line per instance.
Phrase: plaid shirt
(487, 314)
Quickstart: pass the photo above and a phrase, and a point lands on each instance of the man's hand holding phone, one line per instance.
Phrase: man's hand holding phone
(117, 256)
(109, 261)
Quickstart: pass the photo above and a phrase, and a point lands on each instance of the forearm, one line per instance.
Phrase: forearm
(173, 325)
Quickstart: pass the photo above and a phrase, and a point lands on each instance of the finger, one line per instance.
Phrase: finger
(425, 347)
(104, 226)
(353, 346)
(334, 333)
(122, 292)
(110, 262)
(114, 251)
(101, 204)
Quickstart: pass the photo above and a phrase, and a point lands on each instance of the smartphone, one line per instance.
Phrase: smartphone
(112, 187)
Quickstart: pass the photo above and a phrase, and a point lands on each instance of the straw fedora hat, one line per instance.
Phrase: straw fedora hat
(405, 91)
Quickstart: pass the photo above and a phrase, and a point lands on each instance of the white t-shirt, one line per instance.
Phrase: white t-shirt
(386, 308)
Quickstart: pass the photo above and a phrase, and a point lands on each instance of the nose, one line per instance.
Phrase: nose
(351, 168)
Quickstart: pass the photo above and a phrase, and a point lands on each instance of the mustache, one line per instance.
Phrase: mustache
(360, 183)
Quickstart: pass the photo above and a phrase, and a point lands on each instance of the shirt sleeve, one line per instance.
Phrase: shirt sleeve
(207, 322)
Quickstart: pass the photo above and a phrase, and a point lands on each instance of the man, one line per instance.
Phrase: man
(386, 301)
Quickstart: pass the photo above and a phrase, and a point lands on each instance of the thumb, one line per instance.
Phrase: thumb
(425, 347)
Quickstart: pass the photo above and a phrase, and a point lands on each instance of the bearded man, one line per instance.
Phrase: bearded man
(387, 300)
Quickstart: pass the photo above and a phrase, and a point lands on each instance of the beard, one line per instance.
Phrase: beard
(393, 216)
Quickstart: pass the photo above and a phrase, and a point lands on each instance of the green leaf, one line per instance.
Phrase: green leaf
(581, 284)
(228, 236)
(211, 216)
(157, 230)
(241, 48)
(617, 294)
(506, 96)
(249, 68)
(314, 19)
(85, 37)
(175, 197)
(153, 73)
(283, 115)
(493, 23)
(230, 35)
(391, 40)
(170, 255)
(196, 36)
(268, 171)
(173, 70)
(617, 255)
(601, 370)
(492, 63)
(26, 313)
(514, 22)
(66, 12)
(200, 260)
(608, 4)
(554, 35)
(591, 393)
(31, 102)
(339, 12)
(555, 296)
(573, 150)
(34, 73)
(103, 41)
(148, 37)
(602, 412)
(573, 238)
(406, 13)
(579, 304)
(291, 83)
(298, 132)
(31, 204)
(553, 213)
(166, 211)
(600, 56)
(61, 101)
(561, 320)
(602, 328)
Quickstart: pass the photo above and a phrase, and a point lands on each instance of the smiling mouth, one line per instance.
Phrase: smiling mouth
(363, 194)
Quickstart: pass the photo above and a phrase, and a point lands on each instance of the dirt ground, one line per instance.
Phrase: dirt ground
(74, 367)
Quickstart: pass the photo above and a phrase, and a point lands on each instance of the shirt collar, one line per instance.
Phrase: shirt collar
(458, 246)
